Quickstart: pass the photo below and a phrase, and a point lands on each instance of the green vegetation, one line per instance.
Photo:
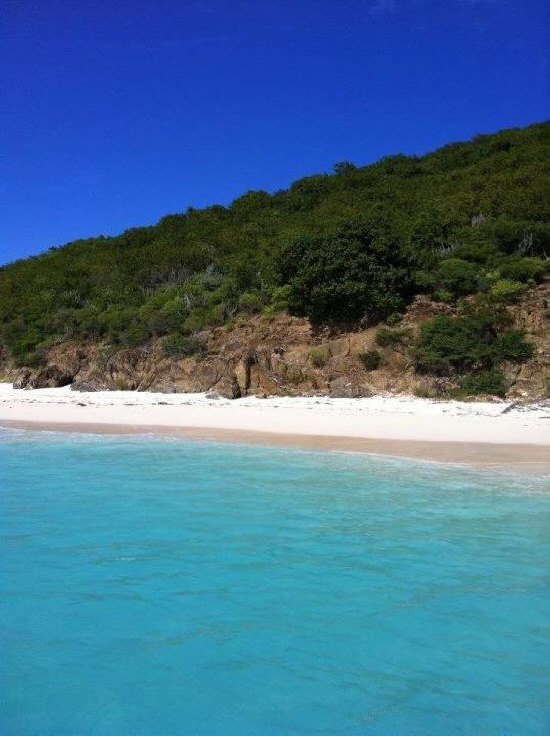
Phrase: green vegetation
(371, 360)
(474, 343)
(394, 319)
(457, 277)
(359, 272)
(489, 382)
(506, 292)
(352, 247)
(319, 357)
(177, 346)
(391, 338)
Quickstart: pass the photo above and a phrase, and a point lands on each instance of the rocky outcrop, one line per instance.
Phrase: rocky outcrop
(283, 356)
(531, 380)
(342, 388)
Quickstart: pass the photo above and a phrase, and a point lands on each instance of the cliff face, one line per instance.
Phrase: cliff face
(285, 356)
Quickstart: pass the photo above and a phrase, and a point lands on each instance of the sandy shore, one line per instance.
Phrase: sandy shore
(484, 434)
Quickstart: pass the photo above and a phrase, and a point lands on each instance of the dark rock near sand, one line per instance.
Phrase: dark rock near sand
(22, 380)
(275, 358)
(227, 388)
(50, 377)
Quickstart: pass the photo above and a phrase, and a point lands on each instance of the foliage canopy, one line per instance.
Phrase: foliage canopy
(351, 246)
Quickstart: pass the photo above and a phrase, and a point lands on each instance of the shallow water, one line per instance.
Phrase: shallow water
(172, 587)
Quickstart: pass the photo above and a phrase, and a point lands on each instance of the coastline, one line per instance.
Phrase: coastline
(477, 434)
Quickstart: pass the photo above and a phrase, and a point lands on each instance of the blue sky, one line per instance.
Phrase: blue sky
(116, 113)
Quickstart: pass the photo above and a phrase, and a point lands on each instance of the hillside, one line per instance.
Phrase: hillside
(412, 274)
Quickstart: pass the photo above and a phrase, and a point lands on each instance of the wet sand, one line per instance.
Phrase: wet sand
(507, 457)
(497, 435)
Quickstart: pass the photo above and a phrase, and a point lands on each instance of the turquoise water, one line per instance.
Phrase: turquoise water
(171, 587)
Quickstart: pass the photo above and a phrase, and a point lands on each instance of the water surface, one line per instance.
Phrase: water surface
(156, 586)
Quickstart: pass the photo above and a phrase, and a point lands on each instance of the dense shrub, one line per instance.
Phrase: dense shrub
(511, 346)
(352, 274)
(482, 251)
(391, 338)
(474, 341)
(348, 247)
(249, 302)
(458, 277)
(506, 292)
(178, 346)
(425, 392)
(447, 344)
(490, 382)
(371, 359)
(280, 298)
(440, 295)
(523, 269)
(394, 319)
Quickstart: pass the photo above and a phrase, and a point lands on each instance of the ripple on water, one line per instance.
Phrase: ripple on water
(158, 586)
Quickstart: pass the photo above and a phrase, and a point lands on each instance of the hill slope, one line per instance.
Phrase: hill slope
(468, 226)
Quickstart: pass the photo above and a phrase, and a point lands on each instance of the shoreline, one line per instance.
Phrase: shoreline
(496, 436)
(527, 459)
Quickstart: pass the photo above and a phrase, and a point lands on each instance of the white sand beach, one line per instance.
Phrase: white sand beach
(483, 433)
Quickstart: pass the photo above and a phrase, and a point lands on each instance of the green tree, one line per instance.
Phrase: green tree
(354, 273)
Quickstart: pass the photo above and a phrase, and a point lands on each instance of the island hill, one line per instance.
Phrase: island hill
(425, 275)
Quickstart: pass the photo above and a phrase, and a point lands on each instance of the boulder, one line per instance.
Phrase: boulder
(51, 377)
(227, 388)
(22, 380)
(343, 388)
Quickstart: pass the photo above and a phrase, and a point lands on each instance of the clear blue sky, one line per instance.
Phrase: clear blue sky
(117, 112)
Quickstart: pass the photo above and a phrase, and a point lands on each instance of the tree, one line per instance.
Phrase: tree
(355, 273)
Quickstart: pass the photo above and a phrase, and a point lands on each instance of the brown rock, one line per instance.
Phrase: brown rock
(51, 377)
(227, 388)
(22, 380)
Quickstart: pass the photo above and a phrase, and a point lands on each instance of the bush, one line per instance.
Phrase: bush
(352, 274)
(319, 357)
(440, 295)
(473, 341)
(523, 269)
(512, 346)
(489, 382)
(177, 346)
(391, 338)
(394, 319)
(446, 345)
(205, 317)
(336, 248)
(425, 392)
(250, 302)
(165, 310)
(458, 277)
(280, 298)
(371, 359)
(131, 336)
(483, 252)
(31, 359)
(506, 292)
(124, 328)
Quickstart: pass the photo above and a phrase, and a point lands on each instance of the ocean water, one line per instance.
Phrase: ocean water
(153, 586)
